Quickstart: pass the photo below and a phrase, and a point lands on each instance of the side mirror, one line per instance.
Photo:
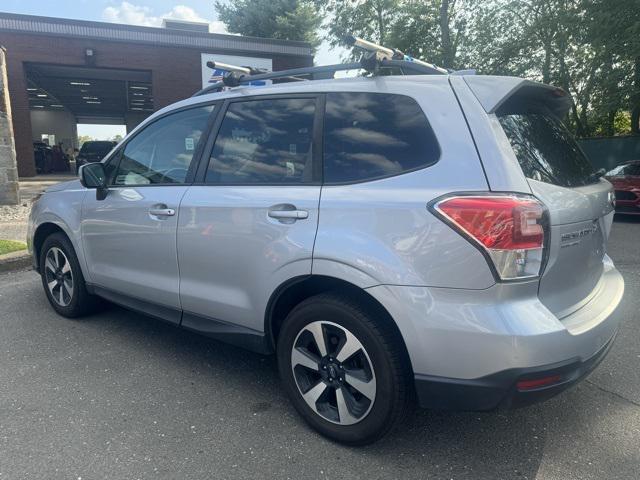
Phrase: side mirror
(92, 175)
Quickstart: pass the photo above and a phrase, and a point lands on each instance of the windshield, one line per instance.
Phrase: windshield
(546, 150)
(630, 169)
(96, 148)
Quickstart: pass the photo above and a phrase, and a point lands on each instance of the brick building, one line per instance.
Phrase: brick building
(64, 72)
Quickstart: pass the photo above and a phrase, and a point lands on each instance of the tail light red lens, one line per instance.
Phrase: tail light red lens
(508, 227)
(523, 385)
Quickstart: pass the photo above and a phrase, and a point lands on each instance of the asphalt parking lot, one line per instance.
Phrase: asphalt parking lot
(121, 396)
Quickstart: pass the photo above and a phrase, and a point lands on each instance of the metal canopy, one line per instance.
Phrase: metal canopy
(89, 91)
(68, 28)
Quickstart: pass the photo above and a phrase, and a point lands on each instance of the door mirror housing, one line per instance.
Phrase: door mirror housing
(92, 175)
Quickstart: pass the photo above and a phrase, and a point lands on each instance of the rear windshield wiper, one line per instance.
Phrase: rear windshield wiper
(597, 175)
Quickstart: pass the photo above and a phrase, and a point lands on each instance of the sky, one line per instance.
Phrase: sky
(137, 12)
(101, 132)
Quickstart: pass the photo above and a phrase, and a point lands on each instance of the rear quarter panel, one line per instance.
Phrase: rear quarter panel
(381, 232)
(500, 164)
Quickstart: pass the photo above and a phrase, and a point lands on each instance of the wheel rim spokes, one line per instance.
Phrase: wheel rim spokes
(333, 373)
(299, 357)
(318, 335)
(366, 388)
(50, 265)
(58, 276)
(351, 346)
(66, 267)
(343, 409)
(312, 396)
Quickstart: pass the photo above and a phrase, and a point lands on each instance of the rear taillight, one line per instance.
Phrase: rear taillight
(542, 382)
(509, 228)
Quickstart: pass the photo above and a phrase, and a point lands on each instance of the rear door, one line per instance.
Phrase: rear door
(250, 222)
(580, 205)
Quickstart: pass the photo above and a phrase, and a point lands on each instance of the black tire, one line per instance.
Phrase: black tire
(383, 349)
(80, 301)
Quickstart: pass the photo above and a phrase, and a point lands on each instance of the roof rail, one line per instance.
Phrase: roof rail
(377, 57)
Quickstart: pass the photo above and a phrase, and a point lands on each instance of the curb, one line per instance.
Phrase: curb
(15, 261)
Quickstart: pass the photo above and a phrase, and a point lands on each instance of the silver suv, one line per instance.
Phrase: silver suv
(438, 238)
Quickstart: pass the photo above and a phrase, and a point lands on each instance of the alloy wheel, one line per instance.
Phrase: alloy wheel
(333, 372)
(59, 277)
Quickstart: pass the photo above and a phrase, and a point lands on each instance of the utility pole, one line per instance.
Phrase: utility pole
(9, 188)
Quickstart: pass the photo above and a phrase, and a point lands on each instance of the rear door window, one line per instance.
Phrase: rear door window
(546, 150)
(375, 135)
(265, 141)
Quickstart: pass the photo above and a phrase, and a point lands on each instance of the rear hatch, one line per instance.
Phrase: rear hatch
(579, 203)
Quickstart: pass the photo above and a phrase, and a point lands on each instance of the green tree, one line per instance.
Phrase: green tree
(434, 30)
(590, 48)
(370, 19)
(583, 46)
(283, 19)
(618, 31)
(84, 138)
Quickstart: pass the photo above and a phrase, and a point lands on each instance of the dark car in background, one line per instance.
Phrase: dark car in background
(93, 151)
(626, 181)
(43, 157)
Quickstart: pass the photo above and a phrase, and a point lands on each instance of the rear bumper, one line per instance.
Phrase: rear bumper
(628, 208)
(470, 348)
(629, 204)
(500, 390)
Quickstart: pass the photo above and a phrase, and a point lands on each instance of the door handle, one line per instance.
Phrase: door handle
(162, 212)
(289, 214)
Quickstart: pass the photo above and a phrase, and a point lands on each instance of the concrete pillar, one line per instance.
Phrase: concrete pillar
(9, 190)
(21, 116)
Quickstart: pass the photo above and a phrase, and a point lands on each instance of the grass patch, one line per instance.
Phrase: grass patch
(8, 246)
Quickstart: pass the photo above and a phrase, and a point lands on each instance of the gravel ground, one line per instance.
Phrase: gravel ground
(13, 221)
(13, 218)
(15, 213)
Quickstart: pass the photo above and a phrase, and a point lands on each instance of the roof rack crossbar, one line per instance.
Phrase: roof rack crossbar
(377, 52)
(281, 74)
(236, 78)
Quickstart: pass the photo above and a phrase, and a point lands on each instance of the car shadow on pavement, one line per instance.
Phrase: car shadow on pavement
(479, 445)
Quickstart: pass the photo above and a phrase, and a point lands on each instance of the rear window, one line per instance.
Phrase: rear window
(373, 135)
(546, 150)
(96, 148)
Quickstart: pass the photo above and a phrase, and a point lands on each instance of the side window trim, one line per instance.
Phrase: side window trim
(197, 155)
(317, 138)
(205, 155)
(115, 158)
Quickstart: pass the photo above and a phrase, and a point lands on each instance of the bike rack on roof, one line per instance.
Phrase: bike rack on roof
(376, 58)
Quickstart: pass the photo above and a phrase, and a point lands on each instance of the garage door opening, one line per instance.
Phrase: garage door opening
(70, 105)
(89, 132)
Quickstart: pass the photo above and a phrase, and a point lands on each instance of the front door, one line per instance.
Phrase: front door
(251, 222)
(129, 237)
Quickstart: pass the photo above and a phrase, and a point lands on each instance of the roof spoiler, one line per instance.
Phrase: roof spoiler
(503, 95)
